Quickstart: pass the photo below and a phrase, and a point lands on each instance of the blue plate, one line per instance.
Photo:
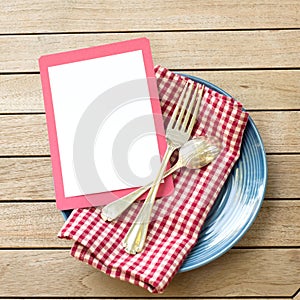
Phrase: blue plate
(238, 203)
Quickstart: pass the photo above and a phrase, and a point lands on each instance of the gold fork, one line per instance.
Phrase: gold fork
(178, 132)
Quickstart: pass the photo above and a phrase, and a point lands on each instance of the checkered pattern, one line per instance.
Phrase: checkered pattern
(177, 218)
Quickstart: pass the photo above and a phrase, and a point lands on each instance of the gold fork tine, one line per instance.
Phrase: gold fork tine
(178, 105)
(181, 116)
(189, 109)
(195, 112)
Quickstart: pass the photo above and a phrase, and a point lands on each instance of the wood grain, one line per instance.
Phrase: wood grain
(236, 274)
(276, 130)
(248, 48)
(26, 179)
(23, 135)
(27, 134)
(175, 50)
(265, 90)
(40, 223)
(78, 16)
(283, 176)
(21, 93)
(276, 225)
(31, 178)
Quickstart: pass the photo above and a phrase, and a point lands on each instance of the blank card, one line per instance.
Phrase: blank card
(104, 122)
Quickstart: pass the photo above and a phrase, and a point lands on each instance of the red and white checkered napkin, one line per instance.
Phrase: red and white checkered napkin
(177, 218)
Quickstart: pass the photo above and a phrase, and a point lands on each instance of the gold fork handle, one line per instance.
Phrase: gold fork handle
(113, 210)
(136, 236)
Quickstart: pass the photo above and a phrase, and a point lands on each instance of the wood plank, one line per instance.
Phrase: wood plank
(77, 16)
(283, 176)
(40, 223)
(276, 225)
(266, 89)
(27, 134)
(26, 179)
(23, 135)
(276, 129)
(31, 178)
(21, 93)
(253, 273)
(175, 50)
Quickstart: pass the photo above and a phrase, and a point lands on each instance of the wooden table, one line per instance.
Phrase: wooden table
(251, 49)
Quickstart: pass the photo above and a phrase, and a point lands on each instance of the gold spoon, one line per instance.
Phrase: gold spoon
(194, 154)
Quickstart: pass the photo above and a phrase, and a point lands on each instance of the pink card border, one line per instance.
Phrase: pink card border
(45, 62)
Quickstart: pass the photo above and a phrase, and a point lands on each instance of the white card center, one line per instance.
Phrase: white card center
(104, 121)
